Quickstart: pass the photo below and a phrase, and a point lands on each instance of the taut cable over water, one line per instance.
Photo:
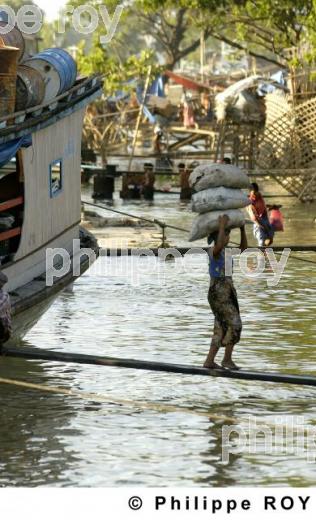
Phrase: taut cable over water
(183, 250)
(86, 359)
(139, 217)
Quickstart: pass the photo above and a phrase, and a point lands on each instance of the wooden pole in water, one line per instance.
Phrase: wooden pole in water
(85, 359)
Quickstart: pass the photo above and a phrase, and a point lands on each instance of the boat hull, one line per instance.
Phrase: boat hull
(32, 300)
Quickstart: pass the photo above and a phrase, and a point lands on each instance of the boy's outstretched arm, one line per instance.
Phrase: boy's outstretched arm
(243, 239)
(221, 239)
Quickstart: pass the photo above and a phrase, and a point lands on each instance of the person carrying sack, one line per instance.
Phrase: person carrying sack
(222, 297)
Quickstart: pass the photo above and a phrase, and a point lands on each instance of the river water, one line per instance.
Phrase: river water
(123, 427)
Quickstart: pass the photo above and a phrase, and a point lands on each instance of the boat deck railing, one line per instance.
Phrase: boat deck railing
(10, 121)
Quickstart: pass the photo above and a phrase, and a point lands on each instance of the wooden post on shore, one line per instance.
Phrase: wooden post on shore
(202, 55)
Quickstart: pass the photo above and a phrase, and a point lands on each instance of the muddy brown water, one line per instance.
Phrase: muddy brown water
(146, 309)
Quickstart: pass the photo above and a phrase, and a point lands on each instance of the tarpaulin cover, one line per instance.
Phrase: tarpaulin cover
(157, 88)
(4, 16)
(10, 149)
(186, 82)
(140, 96)
(279, 78)
(119, 96)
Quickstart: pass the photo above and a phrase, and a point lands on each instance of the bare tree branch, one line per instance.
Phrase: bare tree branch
(251, 53)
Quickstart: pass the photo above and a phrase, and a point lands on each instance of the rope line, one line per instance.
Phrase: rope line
(139, 217)
(300, 259)
(163, 225)
(280, 253)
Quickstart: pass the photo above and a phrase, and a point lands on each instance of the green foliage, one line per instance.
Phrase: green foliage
(267, 27)
(16, 4)
(169, 29)
(116, 72)
(262, 28)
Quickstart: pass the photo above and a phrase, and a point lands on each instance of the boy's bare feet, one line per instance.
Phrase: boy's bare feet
(212, 366)
(230, 365)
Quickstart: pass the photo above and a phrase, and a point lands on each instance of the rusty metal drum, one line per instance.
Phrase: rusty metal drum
(13, 38)
(8, 72)
(30, 88)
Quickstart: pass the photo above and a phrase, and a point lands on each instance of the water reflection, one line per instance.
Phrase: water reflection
(34, 428)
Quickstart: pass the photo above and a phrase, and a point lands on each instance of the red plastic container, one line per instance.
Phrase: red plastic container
(276, 219)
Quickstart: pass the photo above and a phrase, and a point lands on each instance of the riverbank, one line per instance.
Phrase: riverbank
(121, 232)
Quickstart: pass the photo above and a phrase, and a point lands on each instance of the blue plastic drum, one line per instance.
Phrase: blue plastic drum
(58, 69)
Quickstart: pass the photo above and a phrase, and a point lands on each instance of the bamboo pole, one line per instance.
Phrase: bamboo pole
(131, 157)
(106, 399)
(141, 108)
(86, 359)
(202, 55)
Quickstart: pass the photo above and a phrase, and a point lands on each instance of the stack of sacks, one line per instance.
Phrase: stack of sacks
(218, 192)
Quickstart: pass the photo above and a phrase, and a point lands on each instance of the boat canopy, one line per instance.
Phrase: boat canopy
(9, 150)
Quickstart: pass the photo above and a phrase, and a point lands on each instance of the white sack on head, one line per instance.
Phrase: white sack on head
(218, 198)
(206, 223)
(216, 174)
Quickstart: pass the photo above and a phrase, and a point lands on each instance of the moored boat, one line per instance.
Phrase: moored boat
(40, 199)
